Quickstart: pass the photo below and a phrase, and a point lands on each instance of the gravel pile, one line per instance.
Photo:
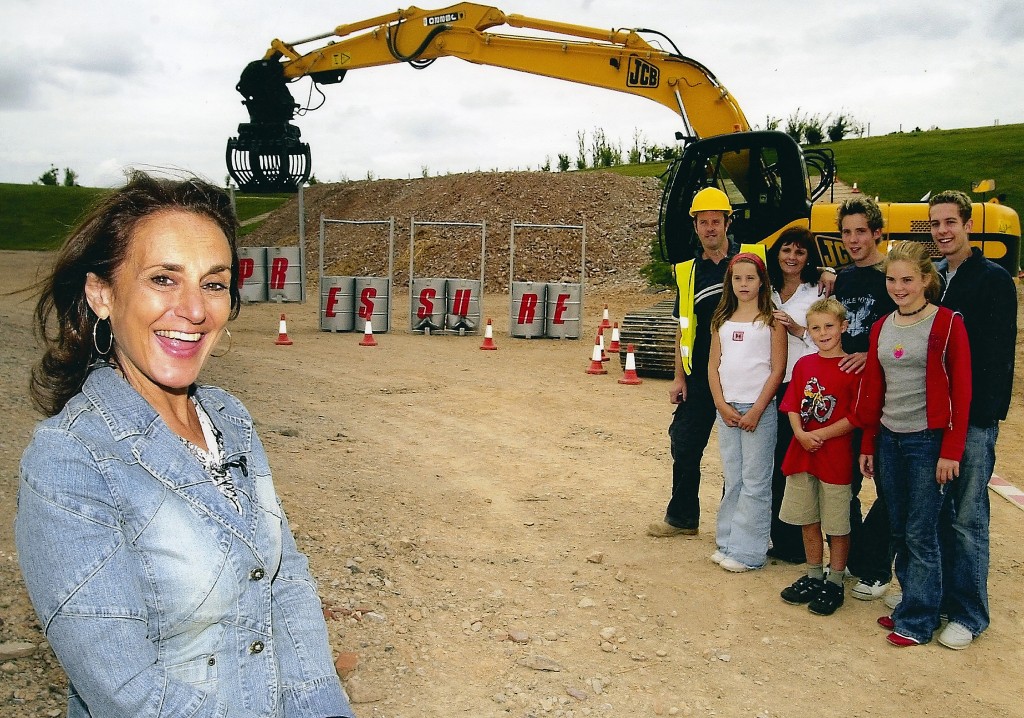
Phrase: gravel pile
(620, 214)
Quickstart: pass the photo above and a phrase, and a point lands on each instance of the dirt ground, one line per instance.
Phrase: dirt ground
(476, 519)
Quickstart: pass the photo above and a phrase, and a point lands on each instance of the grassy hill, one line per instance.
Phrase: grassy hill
(898, 167)
(39, 217)
(902, 167)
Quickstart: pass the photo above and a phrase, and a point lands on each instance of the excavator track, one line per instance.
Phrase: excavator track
(652, 332)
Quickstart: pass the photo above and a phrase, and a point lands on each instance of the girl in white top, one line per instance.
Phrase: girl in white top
(747, 364)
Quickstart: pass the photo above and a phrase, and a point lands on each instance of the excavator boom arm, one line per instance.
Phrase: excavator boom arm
(618, 60)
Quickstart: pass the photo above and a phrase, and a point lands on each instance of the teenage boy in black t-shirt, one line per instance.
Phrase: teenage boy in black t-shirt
(860, 287)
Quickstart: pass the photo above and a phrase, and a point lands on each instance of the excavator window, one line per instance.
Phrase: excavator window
(761, 172)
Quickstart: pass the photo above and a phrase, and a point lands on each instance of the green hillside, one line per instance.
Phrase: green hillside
(902, 167)
(39, 217)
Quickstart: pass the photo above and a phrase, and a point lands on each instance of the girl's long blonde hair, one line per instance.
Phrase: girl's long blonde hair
(729, 303)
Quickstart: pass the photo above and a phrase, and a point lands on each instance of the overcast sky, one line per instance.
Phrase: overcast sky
(99, 86)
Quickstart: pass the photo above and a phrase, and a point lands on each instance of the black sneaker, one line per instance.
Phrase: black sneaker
(803, 590)
(829, 598)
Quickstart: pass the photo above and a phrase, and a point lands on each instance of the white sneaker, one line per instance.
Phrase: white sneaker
(731, 564)
(892, 599)
(718, 557)
(869, 590)
(955, 636)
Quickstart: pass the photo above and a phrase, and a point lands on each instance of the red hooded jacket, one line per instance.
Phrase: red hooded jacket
(947, 385)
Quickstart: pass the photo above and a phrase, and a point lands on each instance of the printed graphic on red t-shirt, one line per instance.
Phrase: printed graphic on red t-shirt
(817, 404)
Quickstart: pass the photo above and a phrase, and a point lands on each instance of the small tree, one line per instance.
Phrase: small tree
(564, 162)
(546, 167)
(813, 132)
(70, 177)
(795, 126)
(634, 151)
(49, 177)
(581, 150)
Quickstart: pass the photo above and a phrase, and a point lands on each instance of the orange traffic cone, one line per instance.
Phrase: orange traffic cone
(600, 341)
(368, 340)
(282, 333)
(488, 337)
(614, 346)
(605, 324)
(596, 366)
(629, 375)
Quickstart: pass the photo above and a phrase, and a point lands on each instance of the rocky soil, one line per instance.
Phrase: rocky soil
(620, 215)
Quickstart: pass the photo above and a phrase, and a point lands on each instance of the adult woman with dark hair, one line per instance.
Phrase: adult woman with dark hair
(152, 542)
(793, 263)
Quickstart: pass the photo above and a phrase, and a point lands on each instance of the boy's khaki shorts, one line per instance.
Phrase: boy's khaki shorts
(809, 501)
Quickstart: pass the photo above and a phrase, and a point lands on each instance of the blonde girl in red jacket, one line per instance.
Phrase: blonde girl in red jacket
(913, 405)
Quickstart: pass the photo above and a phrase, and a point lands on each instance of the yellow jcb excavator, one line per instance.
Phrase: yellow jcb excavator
(771, 182)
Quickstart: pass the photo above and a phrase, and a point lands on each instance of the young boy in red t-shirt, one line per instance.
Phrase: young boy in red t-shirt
(817, 465)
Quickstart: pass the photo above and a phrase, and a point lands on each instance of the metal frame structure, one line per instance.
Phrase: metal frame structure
(414, 223)
(390, 222)
(512, 258)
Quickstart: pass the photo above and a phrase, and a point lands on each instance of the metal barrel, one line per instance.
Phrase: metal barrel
(564, 306)
(427, 304)
(285, 274)
(463, 305)
(527, 316)
(373, 302)
(337, 304)
(252, 274)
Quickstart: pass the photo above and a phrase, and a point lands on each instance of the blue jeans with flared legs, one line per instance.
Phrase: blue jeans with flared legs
(906, 468)
(745, 514)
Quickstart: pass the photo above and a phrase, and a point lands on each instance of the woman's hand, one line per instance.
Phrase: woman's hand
(946, 470)
(826, 282)
(791, 325)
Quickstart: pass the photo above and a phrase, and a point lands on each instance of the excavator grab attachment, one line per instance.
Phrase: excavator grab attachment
(268, 154)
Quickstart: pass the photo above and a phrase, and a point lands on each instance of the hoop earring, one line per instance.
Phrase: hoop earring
(218, 356)
(110, 334)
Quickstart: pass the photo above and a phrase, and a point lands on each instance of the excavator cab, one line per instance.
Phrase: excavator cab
(763, 173)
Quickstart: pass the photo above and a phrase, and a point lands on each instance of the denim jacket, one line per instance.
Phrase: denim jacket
(157, 596)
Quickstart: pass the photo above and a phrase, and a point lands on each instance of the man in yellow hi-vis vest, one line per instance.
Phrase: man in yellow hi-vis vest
(699, 287)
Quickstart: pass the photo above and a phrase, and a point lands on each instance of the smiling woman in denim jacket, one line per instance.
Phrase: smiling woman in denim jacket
(152, 542)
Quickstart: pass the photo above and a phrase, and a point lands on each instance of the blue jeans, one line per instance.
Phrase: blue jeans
(745, 514)
(906, 468)
(963, 531)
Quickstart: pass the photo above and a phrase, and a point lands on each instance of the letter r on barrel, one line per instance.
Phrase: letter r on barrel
(528, 309)
(278, 270)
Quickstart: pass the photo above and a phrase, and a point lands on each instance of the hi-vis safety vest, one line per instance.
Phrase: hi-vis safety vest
(685, 273)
